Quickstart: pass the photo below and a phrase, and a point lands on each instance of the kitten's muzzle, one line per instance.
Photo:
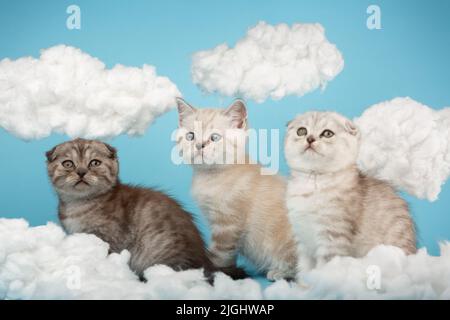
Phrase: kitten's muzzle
(200, 146)
(310, 139)
(81, 181)
(81, 172)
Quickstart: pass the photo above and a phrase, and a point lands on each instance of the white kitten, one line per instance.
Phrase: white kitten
(334, 209)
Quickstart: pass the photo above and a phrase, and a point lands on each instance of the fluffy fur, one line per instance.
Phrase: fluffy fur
(334, 209)
(150, 225)
(246, 210)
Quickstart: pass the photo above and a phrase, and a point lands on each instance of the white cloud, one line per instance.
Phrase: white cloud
(269, 62)
(43, 263)
(68, 91)
(407, 144)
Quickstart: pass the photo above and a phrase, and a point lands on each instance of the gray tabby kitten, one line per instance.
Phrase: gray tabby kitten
(153, 227)
(333, 207)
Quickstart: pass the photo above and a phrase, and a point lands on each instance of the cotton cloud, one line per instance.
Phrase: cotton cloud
(44, 263)
(269, 62)
(67, 91)
(407, 144)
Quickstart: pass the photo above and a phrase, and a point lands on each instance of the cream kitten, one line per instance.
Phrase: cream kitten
(334, 209)
(246, 210)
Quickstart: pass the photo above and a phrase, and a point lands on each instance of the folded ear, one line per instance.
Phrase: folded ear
(184, 110)
(238, 114)
(112, 150)
(351, 127)
(50, 155)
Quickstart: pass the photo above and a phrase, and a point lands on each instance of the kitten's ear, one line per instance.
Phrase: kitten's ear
(184, 109)
(50, 155)
(351, 128)
(238, 114)
(112, 150)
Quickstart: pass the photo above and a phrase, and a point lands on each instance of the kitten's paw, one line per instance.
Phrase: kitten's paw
(220, 261)
(276, 274)
(301, 284)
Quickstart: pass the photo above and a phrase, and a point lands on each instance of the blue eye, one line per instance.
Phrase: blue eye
(190, 136)
(215, 137)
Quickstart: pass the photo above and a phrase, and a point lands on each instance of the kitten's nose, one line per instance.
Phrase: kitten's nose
(200, 146)
(310, 139)
(81, 172)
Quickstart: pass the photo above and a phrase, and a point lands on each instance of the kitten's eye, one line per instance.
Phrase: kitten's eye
(94, 163)
(67, 164)
(190, 136)
(302, 131)
(215, 137)
(327, 133)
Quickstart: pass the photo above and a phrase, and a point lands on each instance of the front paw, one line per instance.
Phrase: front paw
(301, 283)
(276, 274)
(220, 260)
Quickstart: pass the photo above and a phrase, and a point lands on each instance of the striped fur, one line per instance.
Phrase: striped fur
(153, 227)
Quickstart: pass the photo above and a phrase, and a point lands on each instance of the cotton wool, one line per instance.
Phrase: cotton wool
(407, 144)
(270, 61)
(69, 92)
(45, 263)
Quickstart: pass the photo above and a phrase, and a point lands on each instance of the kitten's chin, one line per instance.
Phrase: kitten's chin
(81, 185)
(318, 167)
(200, 160)
(309, 164)
(82, 191)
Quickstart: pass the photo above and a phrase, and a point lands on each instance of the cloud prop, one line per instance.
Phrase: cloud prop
(269, 62)
(408, 144)
(67, 91)
(44, 263)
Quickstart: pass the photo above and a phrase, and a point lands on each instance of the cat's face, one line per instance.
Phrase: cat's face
(321, 142)
(208, 137)
(82, 168)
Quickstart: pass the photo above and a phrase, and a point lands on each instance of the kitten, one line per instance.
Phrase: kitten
(333, 207)
(150, 225)
(246, 210)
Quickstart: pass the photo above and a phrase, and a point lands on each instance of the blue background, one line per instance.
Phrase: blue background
(408, 57)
